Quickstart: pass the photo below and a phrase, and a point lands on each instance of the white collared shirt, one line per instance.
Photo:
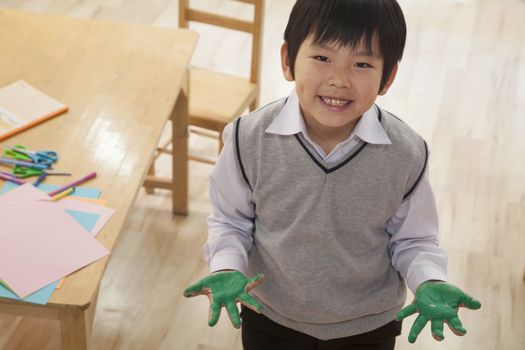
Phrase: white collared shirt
(413, 229)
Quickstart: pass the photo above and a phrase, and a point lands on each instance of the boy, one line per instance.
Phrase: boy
(328, 196)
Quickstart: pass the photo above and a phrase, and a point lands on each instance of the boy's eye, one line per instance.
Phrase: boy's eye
(363, 65)
(321, 58)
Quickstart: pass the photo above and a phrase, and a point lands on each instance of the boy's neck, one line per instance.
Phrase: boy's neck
(327, 138)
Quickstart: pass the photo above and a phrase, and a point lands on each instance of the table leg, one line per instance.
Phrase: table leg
(179, 134)
(75, 326)
(178, 183)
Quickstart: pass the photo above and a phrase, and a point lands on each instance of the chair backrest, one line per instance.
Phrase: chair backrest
(253, 27)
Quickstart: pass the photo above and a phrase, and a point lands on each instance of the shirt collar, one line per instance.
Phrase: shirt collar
(369, 128)
(290, 121)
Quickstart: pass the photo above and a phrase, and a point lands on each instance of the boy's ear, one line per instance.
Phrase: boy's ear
(389, 81)
(285, 63)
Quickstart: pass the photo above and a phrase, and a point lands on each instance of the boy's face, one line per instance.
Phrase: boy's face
(335, 84)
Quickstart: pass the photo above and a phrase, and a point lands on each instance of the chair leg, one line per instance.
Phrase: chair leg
(254, 104)
(221, 143)
(151, 171)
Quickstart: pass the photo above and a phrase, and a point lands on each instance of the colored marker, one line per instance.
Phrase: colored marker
(8, 174)
(22, 163)
(11, 179)
(63, 194)
(74, 183)
(41, 178)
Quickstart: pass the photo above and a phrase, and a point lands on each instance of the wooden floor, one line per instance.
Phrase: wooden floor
(461, 85)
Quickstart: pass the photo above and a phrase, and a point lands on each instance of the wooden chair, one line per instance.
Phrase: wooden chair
(216, 98)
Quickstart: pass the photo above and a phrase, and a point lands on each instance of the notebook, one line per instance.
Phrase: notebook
(23, 106)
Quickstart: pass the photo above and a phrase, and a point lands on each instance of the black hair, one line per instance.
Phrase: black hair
(346, 23)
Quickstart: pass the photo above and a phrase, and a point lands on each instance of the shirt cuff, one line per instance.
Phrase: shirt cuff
(227, 262)
(423, 274)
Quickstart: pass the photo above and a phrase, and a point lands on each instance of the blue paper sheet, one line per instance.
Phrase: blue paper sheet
(85, 192)
(41, 296)
(87, 220)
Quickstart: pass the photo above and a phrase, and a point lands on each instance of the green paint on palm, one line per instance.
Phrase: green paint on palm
(226, 289)
(437, 302)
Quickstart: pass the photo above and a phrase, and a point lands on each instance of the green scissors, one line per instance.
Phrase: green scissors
(23, 172)
(16, 155)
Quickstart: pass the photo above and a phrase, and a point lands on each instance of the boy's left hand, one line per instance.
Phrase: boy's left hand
(437, 302)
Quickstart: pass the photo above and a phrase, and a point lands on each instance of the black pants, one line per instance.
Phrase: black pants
(261, 333)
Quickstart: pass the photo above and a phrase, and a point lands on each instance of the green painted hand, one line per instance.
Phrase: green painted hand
(437, 302)
(226, 289)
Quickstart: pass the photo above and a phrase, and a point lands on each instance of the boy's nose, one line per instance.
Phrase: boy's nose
(339, 82)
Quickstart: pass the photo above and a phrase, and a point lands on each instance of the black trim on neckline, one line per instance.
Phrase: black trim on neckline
(420, 174)
(346, 161)
(325, 169)
(238, 152)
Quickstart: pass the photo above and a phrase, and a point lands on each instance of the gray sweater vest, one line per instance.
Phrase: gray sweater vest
(319, 234)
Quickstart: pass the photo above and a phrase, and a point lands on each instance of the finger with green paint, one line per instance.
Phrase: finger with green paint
(437, 302)
(226, 289)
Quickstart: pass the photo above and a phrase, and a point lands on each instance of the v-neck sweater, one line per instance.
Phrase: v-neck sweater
(321, 243)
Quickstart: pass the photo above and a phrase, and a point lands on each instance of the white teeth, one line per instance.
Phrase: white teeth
(334, 102)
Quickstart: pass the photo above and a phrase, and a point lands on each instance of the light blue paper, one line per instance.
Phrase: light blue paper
(85, 192)
(87, 220)
(41, 296)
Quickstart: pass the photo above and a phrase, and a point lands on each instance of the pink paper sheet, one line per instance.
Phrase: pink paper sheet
(40, 242)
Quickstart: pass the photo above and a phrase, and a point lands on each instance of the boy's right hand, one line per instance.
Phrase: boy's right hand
(226, 289)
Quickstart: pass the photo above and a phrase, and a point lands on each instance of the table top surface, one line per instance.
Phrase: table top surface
(120, 82)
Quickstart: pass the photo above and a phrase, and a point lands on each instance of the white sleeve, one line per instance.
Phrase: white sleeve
(230, 225)
(413, 245)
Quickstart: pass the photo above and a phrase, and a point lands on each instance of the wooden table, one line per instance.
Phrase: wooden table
(121, 82)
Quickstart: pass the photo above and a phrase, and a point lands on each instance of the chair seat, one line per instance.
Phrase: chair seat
(217, 98)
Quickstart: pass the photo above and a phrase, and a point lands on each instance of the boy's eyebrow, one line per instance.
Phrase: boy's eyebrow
(323, 46)
(368, 54)
(365, 53)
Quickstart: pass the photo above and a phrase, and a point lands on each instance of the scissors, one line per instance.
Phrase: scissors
(37, 157)
(15, 155)
(23, 172)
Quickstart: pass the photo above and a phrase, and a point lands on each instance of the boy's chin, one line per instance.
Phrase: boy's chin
(332, 123)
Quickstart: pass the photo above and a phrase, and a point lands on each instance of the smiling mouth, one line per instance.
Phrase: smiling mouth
(334, 102)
